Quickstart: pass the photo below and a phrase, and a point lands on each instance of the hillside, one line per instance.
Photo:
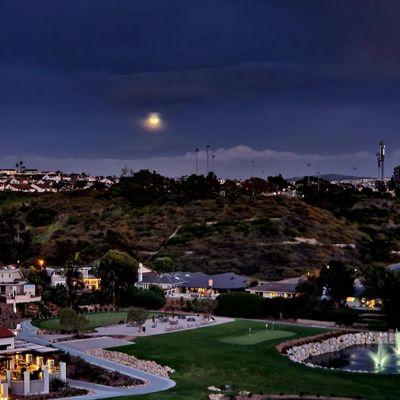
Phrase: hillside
(250, 235)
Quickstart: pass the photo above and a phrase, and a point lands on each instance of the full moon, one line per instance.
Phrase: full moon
(153, 122)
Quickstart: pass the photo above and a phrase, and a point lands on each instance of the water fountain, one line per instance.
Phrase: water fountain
(396, 347)
(380, 356)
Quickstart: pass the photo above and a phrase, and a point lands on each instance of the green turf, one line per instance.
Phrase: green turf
(256, 337)
(95, 320)
(201, 360)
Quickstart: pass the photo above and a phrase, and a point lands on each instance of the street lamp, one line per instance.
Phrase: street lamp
(208, 163)
(41, 263)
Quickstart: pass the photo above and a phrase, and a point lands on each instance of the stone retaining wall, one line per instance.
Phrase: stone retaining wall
(302, 352)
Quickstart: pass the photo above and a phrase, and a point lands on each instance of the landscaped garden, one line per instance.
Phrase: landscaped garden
(201, 359)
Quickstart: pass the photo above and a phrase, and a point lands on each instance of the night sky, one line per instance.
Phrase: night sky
(283, 83)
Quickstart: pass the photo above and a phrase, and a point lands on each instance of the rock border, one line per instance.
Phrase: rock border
(300, 350)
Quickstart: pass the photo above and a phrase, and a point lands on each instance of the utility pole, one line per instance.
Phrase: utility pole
(208, 163)
(197, 151)
(213, 163)
(318, 179)
(381, 159)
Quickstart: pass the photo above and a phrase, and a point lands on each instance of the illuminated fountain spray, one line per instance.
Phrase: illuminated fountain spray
(396, 347)
(380, 356)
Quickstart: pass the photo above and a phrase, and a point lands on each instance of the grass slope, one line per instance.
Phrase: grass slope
(201, 360)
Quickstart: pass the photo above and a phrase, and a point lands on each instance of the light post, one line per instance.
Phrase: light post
(208, 164)
(196, 151)
(309, 181)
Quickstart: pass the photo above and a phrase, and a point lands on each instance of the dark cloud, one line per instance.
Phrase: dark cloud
(313, 77)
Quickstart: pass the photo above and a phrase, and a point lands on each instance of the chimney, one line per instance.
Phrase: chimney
(140, 272)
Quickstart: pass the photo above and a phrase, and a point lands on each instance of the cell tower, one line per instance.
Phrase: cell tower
(381, 159)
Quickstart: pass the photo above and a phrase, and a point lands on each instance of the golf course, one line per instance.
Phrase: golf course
(243, 354)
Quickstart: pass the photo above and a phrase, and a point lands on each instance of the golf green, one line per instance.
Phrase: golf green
(256, 337)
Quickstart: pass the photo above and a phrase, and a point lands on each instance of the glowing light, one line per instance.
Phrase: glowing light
(153, 122)
(41, 263)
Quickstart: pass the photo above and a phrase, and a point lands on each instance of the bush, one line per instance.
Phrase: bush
(240, 304)
(57, 384)
(41, 216)
(148, 300)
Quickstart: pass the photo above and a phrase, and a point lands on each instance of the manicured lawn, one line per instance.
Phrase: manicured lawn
(256, 337)
(95, 320)
(201, 360)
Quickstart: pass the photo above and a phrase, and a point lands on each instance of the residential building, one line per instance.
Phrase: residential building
(193, 284)
(286, 288)
(14, 288)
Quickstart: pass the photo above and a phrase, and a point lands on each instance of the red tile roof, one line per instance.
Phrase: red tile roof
(5, 333)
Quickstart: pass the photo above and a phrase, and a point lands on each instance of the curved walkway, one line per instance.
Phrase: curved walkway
(156, 383)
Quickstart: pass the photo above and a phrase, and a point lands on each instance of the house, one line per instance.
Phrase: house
(87, 278)
(19, 187)
(193, 284)
(286, 288)
(26, 368)
(56, 277)
(359, 300)
(43, 187)
(14, 288)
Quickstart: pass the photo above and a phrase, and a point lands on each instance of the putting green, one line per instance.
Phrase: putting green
(256, 337)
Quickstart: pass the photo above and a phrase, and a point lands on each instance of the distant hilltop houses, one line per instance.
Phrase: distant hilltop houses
(22, 179)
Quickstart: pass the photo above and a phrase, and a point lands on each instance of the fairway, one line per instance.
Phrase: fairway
(257, 337)
(201, 360)
(95, 320)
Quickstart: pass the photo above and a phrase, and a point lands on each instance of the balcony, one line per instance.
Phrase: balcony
(19, 298)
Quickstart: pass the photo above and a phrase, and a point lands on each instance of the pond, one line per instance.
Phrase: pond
(382, 358)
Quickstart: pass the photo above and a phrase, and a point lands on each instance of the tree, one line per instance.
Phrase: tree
(338, 280)
(240, 304)
(206, 307)
(117, 271)
(15, 238)
(148, 299)
(164, 264)
(278, 182)
(310, 294)
(137, 317)
(70, 320)
(384, 284)
(71, 273)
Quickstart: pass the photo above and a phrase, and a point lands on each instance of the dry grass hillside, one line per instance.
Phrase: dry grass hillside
(262, 236)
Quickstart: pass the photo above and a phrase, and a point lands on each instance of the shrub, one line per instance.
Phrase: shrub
(40, 216)
(148, 299)
(240, 304)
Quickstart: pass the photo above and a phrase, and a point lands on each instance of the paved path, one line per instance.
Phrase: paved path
(156, 383)
(102, 342)
(161, 327)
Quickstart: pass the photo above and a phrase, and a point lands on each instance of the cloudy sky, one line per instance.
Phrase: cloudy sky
(285, 83)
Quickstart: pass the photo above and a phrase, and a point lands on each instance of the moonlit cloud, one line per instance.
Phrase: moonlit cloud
(229, 163)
